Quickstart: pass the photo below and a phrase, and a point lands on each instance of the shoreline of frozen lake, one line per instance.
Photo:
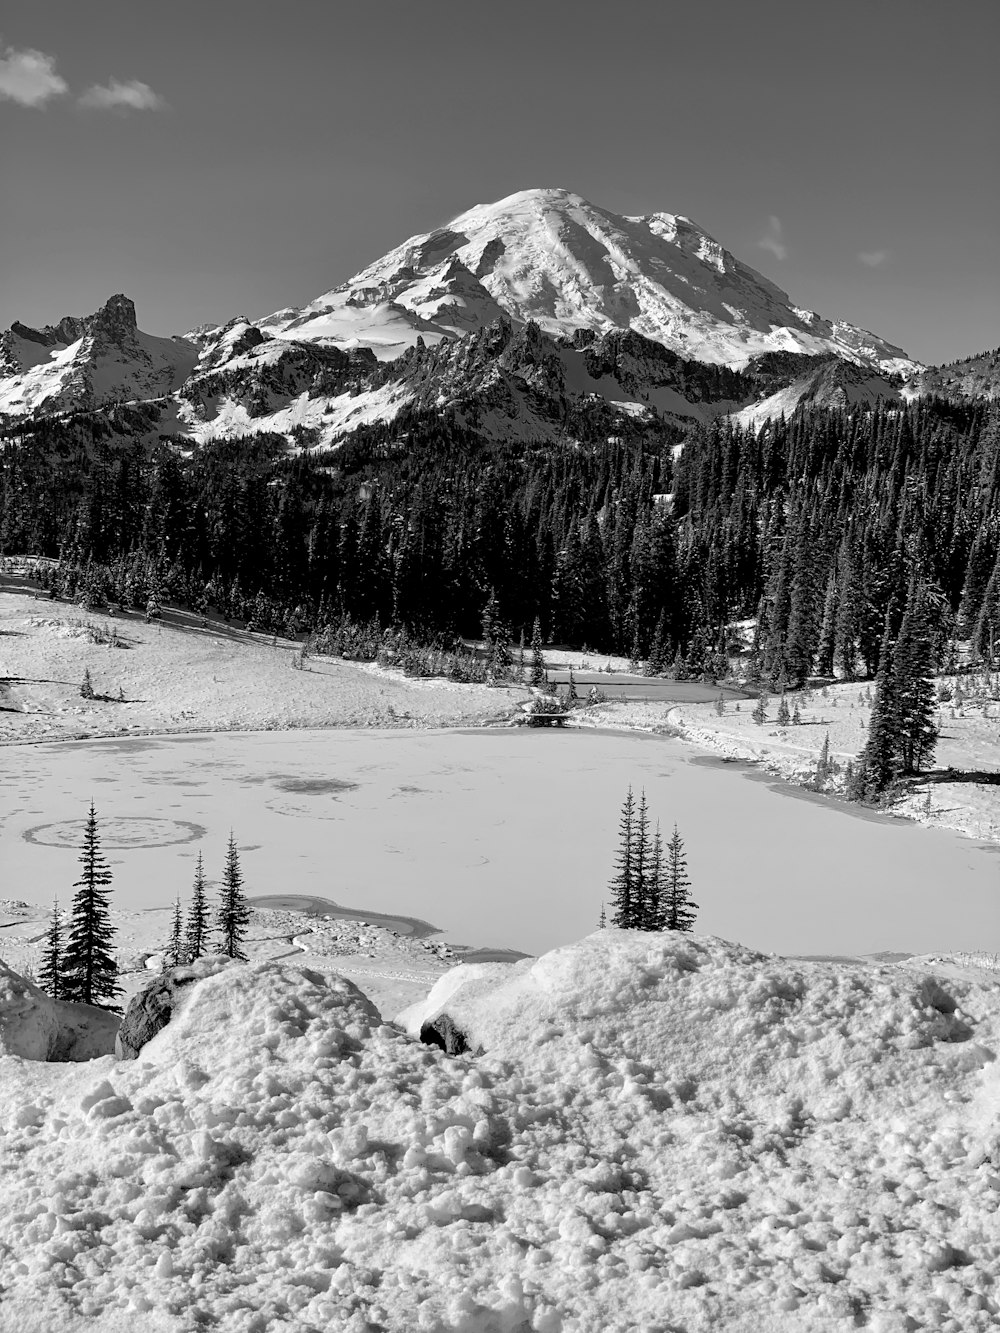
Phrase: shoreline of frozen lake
(506, 837)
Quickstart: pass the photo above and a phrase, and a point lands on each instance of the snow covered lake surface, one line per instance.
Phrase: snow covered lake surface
(504, 839)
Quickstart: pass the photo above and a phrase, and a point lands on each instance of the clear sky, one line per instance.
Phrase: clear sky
(221, 157)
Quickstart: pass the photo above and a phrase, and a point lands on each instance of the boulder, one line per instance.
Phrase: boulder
(152, 1008)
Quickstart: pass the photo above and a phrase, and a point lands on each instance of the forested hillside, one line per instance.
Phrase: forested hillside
(822, 525)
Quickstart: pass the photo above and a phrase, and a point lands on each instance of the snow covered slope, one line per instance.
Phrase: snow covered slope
(83, 362)
(663, 1132)
(552, 257)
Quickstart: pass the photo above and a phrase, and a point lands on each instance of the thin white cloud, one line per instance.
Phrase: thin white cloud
(872, 258)
(117, 96)
(773, 239)
(29, 77)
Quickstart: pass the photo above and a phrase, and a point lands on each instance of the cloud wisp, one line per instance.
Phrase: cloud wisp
(773, 239)
(873, 258)
(29, 77)
(117, 96)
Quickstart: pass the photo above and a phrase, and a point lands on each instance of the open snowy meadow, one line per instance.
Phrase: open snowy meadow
(645, 1132)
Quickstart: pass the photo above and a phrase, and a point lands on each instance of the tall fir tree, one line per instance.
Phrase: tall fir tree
(878, 762)
(50, 970)
(197, 929)
(622, 886)
(234, 911)
(912, 664)
(679, 906)
(89, 973)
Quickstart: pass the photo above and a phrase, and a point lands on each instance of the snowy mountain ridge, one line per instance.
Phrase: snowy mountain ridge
(84, 361)
(551, 257)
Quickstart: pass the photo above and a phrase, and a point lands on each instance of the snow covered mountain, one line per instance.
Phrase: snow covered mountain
(540, 317)
(551, 257)
(82, 362)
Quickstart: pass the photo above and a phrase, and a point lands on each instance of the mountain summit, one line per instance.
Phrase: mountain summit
(552, 257)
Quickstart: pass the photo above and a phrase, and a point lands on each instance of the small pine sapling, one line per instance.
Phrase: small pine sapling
(537, 676)
(720, 705)
(759, 713)
(50, 969)
(175, 953)
(784, 717)
(86, 685)
(796, 715)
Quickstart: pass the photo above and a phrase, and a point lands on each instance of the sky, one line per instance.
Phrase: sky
(237, 157)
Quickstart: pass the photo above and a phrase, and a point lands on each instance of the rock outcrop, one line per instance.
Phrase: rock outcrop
(152, 1008)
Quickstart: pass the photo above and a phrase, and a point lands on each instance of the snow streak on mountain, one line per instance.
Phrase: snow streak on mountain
(552, 257)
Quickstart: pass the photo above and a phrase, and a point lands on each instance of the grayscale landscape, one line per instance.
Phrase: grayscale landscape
(500, 797)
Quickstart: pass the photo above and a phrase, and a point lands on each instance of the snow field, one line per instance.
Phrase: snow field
(662, 1132)
(969, 743)
(181, 676)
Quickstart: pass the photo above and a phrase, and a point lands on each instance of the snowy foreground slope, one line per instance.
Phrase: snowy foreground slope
(660, 1132)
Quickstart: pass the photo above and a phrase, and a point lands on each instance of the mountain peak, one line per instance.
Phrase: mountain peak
(115, 319)
(86, 360)
(551, 256)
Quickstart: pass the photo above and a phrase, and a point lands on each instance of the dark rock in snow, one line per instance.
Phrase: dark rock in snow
(151, 1009)
(443, 1032)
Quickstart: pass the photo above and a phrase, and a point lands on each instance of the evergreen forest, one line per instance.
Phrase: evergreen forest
(823, 528)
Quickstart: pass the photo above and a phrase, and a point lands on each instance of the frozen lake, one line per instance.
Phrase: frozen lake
(502, 839)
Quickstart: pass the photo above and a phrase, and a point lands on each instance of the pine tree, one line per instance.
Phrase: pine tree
(50, 971)
(655, 915)
(796, 715)
(720, 704)
(196, 934)
(571, 694)
(784, 717)
(87, 685)
(622, 886)
(537, 660)
(679, 907)
(602, 921)
(640, 867)
(914, 688)
(234, 911)
(879, 762)
(759, 713)
(175, 953)
(89, 973)
(823, 762)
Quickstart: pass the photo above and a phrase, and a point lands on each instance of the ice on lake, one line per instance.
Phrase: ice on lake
(501, 838)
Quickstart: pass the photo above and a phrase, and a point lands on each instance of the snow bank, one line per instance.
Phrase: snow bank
(663, 1132)
(34, 1027)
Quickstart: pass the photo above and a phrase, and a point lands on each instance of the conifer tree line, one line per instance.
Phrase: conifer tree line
(816, 525)
(77, 962)
(650, 889)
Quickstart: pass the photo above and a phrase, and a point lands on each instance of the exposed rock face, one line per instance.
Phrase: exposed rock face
(151, 1009)
(84, 361)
